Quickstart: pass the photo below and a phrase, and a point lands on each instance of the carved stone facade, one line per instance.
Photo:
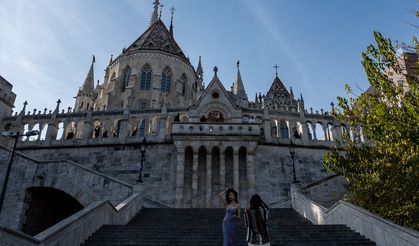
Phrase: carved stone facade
(199, 139)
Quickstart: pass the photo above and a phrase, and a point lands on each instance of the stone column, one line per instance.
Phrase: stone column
(251, 173)
(195, 179)
(222, 168)
(87, 130)
(208, 188)
(313, 126)
(236, 169)
(180, 173)
(52, 131)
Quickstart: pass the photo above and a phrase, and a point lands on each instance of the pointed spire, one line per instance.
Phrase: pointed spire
(89, 82)
(111, 60)
(238, 87)
(172, 10)
(154, 16)
(199, 69)
(24, 108)
(291, 92)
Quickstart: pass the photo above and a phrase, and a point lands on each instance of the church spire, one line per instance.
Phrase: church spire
(238, 87)
(155, 15)
(199, 69)
(89, 82)
(172, 10)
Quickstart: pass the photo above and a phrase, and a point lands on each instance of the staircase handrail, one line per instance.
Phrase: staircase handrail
(157, 204)
(318, 182)
(372, 226)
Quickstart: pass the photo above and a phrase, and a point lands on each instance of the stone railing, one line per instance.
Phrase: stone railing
(216, 129)
(75, 229)
(373, 227)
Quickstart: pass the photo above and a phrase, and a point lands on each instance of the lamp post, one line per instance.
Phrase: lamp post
(16, 136)
(292, 153)
(142, 149)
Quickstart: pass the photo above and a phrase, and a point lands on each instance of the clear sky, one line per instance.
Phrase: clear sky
(46, 45)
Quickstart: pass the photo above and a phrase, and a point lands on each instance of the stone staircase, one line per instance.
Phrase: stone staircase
(202, 227)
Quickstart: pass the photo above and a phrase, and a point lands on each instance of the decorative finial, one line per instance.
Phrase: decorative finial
(276, 70)
(161, 9)
(154, 16)
(172, 10)
(238, 64)
(93, 59)
(215, 70)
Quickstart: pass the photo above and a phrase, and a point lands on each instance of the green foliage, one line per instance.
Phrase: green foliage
(382, 170)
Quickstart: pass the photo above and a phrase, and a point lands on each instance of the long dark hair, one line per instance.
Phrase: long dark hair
(228, 200)
(255, 202)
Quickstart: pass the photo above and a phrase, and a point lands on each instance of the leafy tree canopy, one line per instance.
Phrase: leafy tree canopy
(379, 155)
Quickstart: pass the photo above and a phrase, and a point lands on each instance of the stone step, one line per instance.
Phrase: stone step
(203, 227)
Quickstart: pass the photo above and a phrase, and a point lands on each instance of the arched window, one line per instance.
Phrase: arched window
(145, 82)
(183, 81)
(166, 77)
(127, 73)
(284, 130)
(142, 128)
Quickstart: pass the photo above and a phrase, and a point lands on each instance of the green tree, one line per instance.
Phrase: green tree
(382, 167)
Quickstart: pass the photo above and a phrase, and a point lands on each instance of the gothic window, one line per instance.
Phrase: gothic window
(183, 81)
(145, 83)
(142, 128)
(127, 73)
(284, 130)
(166, 77)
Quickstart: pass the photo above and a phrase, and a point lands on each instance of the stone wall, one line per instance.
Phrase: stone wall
(83, 184)
(273, 167)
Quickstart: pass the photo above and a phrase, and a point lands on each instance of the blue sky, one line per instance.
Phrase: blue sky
(46, 45)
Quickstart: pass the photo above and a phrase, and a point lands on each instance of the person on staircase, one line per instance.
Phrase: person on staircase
(256, 220)
(230, 200)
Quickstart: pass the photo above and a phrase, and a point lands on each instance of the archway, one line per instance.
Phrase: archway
(44, 207)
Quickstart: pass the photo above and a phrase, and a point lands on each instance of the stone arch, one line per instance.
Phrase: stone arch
(319, 132)
(46, 206)
(187, 183)
(97, 127)
(184, 118)
(202, 175)
(36, 127)
(43, 132)
(155, 122)
(310, 131)
(219, 106)
(60, 131)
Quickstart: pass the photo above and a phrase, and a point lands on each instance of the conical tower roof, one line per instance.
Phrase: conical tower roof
(157, 37)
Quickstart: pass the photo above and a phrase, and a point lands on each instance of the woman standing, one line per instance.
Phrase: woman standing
(231, 216)
(256, 219)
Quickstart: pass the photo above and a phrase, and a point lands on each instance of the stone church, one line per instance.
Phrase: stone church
(153, 122)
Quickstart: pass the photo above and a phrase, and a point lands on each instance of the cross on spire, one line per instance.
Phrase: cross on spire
(276, 70)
